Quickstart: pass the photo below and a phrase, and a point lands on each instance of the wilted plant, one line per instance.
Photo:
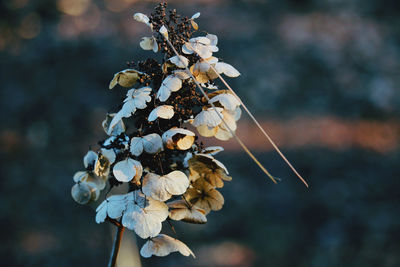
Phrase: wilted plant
(169, 173)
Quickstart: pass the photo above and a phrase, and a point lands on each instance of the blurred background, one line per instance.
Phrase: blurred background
(322, 76)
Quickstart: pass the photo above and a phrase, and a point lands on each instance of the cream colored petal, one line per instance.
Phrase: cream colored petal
(208, 117)
(176, 182)
(164, 31)
(200, 40)
(179, 138)
(135, 218)
(222, 134)
(170, 84)
(182, 74)
(163, 112)
(206, 131)
(228, 101)
(154, 188)
(163, 187)
(140, 17)
(180, 62)
(226, 69)
(163, 245)
(149, 43)
(180, 211)
(125, 78)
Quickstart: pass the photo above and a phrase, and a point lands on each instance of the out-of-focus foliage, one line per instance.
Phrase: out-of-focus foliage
(297, 58)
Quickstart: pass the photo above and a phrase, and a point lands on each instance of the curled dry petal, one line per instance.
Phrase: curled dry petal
(125, 78)
(180, 62)
(149, 43)
(204, 196)
(180, 210)
(226, 69)
(84, 192)
(140, 17)
(164, 31)
(227, 101)
(163, 112)
(212, 170)
(178, 138)
(163, 245)
(118, 128)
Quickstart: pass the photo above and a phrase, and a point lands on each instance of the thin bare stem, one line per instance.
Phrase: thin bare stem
(219, 115)
(116, 245)
(259, 126)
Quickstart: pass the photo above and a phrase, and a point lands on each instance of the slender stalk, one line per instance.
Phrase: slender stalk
(219, 115)
(259, 126)
(116, 245)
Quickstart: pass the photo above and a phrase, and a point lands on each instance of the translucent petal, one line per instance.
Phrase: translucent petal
(180, 62)
(226, 69)
(144, 215)
(152, 143)
(136, 147)
(163, 112)
(118, 128)
(164, 31)
(170, 84)
(213, 39)
(163, 187)
(125, 78)
(195, 16)
(208, 117)
(228, 101)
(83, 192)
(162, 245)
(113, 207)
(149, 43)
(178, 138)
(126, 170)
(180, 211)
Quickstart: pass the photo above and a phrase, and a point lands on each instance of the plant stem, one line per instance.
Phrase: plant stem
(116, 245)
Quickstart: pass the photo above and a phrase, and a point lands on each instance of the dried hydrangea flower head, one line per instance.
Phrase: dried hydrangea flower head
(169, 173)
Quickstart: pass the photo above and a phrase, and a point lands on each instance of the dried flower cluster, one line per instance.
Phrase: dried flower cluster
(170, 175)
